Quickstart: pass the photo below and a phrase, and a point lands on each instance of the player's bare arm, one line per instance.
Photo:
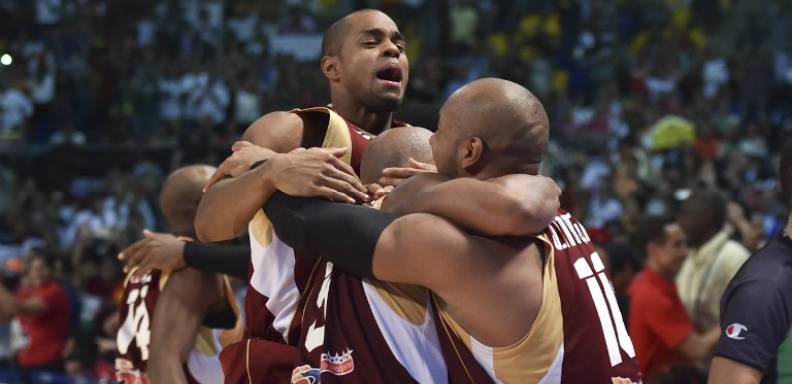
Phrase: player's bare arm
(698, 347)
(472, 274)
(166, 252)
(229, 205)
(727, 371)
(179, 303)
(512, 205)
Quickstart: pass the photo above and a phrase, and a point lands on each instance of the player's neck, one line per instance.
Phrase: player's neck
(372, 122)
(789, 226)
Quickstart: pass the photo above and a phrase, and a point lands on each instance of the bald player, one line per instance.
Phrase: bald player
(520, 309)
(395, 149)
(161, 338)
(367, 71)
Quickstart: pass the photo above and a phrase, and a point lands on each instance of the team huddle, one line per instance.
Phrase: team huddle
(382, 253)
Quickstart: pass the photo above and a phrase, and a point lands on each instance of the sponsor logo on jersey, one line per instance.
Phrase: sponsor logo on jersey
(305, 374)
(733, 331)
(338, 364)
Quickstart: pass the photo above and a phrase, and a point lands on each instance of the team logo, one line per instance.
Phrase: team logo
(338, 364)
(734, 330)
(304, 374)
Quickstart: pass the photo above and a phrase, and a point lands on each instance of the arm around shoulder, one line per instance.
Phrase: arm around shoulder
(229, 205)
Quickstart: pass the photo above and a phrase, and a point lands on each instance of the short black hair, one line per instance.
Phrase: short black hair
(331, 41)
(333, 37)
(785, 174)
(651, 230)
(622, 255)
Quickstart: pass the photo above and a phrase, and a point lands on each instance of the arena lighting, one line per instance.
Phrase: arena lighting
(6, 59)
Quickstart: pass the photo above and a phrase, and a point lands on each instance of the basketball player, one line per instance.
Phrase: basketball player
(367, 71)
(364, 62)
(160, 338)
(513, 310)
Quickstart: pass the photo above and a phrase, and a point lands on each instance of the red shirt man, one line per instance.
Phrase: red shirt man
(659, 324)
(661, 330)
(43, 309)
(47, 330)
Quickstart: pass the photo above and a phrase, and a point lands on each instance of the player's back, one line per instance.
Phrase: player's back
(133, 339)
(597, 347)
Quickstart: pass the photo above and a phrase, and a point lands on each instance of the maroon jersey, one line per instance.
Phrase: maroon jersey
(357, 331)
(597, 348)
(134, 335)
(277, 277)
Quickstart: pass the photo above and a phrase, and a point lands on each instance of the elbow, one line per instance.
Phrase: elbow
(530, 217)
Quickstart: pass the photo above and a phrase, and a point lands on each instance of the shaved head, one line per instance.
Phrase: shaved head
(333, 39)
(394, 148)
(181, 193)
(508, 121)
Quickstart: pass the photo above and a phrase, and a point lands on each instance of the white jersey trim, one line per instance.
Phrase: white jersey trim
(273, 278)
(416, 347)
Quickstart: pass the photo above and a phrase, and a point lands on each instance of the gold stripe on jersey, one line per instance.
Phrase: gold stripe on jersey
(529, 359)
(336, 136)
(164, 275)
(407, 301)
(261, 228)
(230, 336)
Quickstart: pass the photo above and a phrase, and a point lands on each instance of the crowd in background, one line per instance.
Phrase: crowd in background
(648, 102)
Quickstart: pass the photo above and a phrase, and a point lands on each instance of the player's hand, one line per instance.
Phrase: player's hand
(243, 155)
(377, 191)
(161, 251)
(395, 175)
(316, 172)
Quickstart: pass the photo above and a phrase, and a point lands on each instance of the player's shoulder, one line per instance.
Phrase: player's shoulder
(273, 127)
(769, 267)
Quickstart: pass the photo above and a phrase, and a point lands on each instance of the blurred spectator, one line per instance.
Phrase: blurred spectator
(16, 107)
(623, 264)
(647, 101)
(665, 341)
(42, 306)
(714, 257)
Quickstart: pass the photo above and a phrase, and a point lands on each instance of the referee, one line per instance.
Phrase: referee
(756, 310)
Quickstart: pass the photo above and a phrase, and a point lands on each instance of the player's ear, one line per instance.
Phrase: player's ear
(471, 152)
(330, 68)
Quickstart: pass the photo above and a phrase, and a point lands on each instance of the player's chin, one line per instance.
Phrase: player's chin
(389, 101)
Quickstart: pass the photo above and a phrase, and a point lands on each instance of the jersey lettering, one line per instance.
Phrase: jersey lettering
(136, 326)
(315, 336)
(614, 337)
(566, 234)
